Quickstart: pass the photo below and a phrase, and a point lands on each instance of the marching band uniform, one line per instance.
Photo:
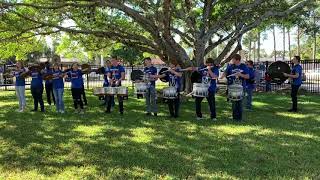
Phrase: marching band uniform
(206, 78)
(58, 89)
(237, 105)
(76, 88)
(37, 89)
(174, 81)
(49, 86)
(151, 94)
(20, 88)
(115, 75)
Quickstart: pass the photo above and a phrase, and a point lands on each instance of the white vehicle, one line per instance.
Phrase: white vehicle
(313, 74)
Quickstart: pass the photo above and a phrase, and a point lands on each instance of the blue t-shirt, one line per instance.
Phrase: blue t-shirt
(20, 81)
(174, 80)
(116, 72)
(57, 80)
(151, 71)
(48, 71)
(251, 80)
(207, 79)
(36, 79)
(76, 79)
(297, 69)
(232, 68)
(106, 70)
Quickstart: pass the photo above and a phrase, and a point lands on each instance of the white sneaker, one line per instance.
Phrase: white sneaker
(214, 119)
(200, 118)
(62, 112)
(20, 110)
(81, 112)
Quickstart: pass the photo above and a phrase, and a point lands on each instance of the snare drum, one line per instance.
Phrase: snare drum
(235, 92)
(111, 90)
(140, 88)
(200, 90)
(122, 91)
(170, 93)
(99, 91)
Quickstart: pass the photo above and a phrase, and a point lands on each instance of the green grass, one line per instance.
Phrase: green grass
(270, 144)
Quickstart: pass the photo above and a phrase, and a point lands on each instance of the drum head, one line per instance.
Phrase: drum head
(161, 72)
(276, 70)
(136, 75)
(196, 77)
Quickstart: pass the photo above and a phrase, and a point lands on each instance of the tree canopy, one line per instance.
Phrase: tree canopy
(162, 27)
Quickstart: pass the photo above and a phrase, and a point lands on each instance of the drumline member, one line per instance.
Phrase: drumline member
(37, 88)
(105, 72)
(174, 77)
(250, 84)
(296, 76)
(210, 74)
(58, 88)
(20, 85)
(49, 85)
(83, 92)
(239, 71)
(116, 75)
(75, 75)
(151, 95)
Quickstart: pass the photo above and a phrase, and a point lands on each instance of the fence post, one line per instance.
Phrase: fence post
(5, 78)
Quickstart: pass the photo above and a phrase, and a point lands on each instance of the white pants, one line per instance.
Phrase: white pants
(20, 91)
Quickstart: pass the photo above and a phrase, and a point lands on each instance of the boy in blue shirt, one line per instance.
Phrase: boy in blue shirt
(151, 95)
(241, 72)
(116, 75)
(58, 88)
(210, 74)
(296, 76)
(20, 85)
(49, 85)
(37, 88)
(76, 87)
(174, 77)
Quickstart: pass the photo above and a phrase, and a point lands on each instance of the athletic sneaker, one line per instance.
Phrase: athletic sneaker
(62, 112)
(200, 118)
(214, 119)
(81, 111)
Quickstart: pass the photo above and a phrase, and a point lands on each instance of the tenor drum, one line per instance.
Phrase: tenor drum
(111, 90)
(122, 91)
(235, 92)
(140, 88)
(99, 91)
(170, 93)
(200, 90)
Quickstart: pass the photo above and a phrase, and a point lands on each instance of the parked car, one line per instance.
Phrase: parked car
(313, 74)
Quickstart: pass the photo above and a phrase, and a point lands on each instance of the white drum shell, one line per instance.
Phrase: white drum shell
(99, 91)
(170, 93)
(235, 92)
(200, 90)
(140, 88)
(111, 90)
(122, 91)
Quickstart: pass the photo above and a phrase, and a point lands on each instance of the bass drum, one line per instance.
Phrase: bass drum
(161, 72)
(136, 75)
(276, 70)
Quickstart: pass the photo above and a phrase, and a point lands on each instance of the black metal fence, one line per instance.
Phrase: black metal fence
(311, 83)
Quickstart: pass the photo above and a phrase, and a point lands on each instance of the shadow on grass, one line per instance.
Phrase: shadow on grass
(269, 144)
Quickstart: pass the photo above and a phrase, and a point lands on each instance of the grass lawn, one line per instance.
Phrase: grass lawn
(270, 144)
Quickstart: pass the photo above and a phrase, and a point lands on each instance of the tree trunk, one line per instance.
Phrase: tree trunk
(250, 45)
(314, 40)
(284, 42)
(289, 43)
(298, 41)
(259, 46)
(254, 51)
(274, 43)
